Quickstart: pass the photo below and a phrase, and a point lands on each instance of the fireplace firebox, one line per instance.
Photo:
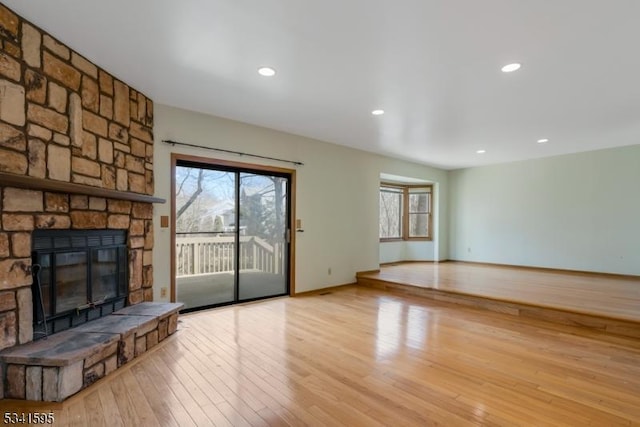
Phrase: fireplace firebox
(78, 276)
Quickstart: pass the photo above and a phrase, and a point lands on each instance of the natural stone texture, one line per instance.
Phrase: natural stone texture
(126, 352)
(12, 99)
(118, 156)
(13, 162)
(7, 299)
(89, 145)
(94, 123)
(136, 242)
(57, 97)
(173, 323)
(88, 220)
(8, 335)
(138, 148)
(75, 118)
(37, 158)
(15, 273)
(93, 374)
(142, 108)
(106, 107)
(21, 245)
(106, 83)
(64, 73)
(4, 248)
(34, 383)
(31, 42)
(142, 210)
(119, 134)
(25, 315)
(54, 46)
(147, 276)
(79, 202)
(102, 353)
(141, 346)
(134, 164)
(8, 23)
(39, 132)
(108, 177)
(141, 132)
(55, 202)
(10, 68)
(147, 258)
(36, 86)
(163, 329)
(152, 339)
(97, 203)
(148, 241)
(133, 108)
(59, 163)
(61, 139)
(110, 365)
(137, 227)
(137, 183)
(148, 180)
(70, 380)
(85, 166)
(19, 200)
(121, 113)
(48, 118)
(105, 151)
(90, 94)
(122, 178)
(84, 65)
(57, 222)
(136, 297)
(119, 206)
(85, 180)
(15, 388)
(17, 223)
(135, 269)
(12, 49)
(50, 384)
(118, 222)
(11, 137)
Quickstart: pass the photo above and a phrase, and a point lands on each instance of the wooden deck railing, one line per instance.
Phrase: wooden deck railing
(216, 254)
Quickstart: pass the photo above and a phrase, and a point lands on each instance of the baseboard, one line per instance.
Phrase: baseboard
(323, 290)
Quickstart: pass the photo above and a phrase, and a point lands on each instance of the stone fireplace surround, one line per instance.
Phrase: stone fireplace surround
(76, 152)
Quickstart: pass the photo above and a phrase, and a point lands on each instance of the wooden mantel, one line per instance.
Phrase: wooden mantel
(31, 183)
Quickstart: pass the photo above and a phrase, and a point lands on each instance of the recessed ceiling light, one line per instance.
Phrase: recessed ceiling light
(542, 141)
(481, 151)
(509, 68)
(266, 71)
(377, 112)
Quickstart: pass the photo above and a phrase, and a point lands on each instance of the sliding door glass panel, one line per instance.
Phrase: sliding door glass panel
(206, 236)
(263, 236)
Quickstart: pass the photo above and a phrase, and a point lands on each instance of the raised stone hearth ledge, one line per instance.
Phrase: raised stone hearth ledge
(55, 368)
(32, 183)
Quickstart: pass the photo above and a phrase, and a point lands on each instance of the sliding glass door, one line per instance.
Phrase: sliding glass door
(231, 234)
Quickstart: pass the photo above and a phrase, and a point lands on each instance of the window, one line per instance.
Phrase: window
(405, 212)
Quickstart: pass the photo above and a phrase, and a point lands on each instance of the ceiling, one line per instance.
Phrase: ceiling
(432, 65)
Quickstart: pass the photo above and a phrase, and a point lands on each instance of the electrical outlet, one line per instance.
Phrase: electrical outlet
(163, 292)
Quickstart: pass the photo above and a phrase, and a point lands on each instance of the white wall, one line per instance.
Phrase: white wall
(578, 212)
(337, 193)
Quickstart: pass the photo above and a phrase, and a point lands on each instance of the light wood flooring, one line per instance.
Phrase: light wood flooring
(617, 297)
(357, 356)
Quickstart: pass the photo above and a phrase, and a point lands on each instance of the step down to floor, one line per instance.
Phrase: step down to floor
(609, 325)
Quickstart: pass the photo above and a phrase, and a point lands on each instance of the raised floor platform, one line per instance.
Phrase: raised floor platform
(608, 303)
(59, 366)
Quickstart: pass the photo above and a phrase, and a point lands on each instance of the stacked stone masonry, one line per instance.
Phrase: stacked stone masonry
(62, 118)
(54, 369)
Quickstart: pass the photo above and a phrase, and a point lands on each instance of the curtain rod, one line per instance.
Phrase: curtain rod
(239, 153)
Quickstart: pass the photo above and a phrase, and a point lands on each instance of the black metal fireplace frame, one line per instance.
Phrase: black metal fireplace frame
(51, 242)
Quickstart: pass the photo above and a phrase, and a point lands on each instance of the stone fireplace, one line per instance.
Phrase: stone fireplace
(76, 153)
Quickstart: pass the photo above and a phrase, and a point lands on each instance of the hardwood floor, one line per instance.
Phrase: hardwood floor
(612, 296)
(363, 357)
